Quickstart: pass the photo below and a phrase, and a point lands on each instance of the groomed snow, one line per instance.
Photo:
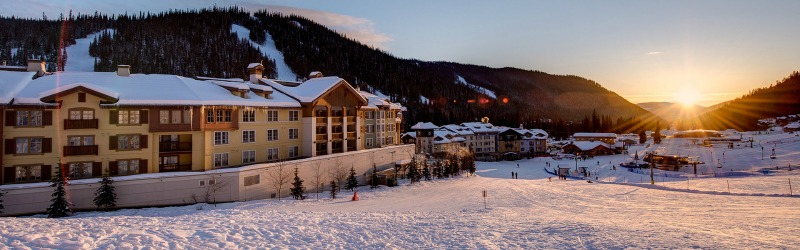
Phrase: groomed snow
(531, 212)
(78, 58)
(268, 48)
(460, 80)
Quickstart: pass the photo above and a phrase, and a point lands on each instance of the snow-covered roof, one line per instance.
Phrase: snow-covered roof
(479, 127)
(460, 130)
(11, 82)
(589, 145)
(254, 65)
(410, 134)
(424, 125)
(609, 135)
(538, 133)
(310, 90)
(445, 136)
(794, 125)
(144, 89)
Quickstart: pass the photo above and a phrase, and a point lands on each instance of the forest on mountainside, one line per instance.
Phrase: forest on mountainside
(200, 43)
(743, 113)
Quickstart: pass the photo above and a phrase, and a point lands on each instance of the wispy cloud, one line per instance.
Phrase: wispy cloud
(653, 53)
(360, 29)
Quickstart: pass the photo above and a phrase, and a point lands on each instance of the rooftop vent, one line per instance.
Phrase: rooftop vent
(314, 74)
(124, 70)
(35, 65)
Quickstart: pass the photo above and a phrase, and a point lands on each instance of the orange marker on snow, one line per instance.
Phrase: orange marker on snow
(355, 196)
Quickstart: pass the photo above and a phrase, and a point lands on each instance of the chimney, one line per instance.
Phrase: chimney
(3, 63)
(124, 70)
(314, 74)
(36, 65)
(256, 70)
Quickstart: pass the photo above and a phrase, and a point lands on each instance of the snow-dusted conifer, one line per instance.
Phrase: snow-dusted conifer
(334, 189)
(352, 182)
(374, 182)
(60, 207)
(105, 196)
(297, 189)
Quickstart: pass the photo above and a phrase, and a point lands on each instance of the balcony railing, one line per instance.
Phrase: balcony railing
(337, 150)
(322, 152)
(322, 137)
(351, 120)
(322, 120)
(336, 136)
(336, 119)
(351, 135)
(80, 124)
(174, 167)
(174, 146)
(80, 150)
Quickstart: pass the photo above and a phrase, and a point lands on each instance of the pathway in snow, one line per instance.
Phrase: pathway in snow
(268, 48)
(78, 58)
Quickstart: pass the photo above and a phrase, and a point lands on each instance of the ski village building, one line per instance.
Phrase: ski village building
(126, 124)
(590, 144)
(486, 141)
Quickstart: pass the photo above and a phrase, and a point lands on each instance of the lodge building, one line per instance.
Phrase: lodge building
(119, 123)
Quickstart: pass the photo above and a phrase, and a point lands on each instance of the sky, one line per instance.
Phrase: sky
(709, 50)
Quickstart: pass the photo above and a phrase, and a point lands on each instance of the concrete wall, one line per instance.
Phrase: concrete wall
(177, 188)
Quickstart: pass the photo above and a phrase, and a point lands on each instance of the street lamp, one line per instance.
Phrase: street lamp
(762, 153)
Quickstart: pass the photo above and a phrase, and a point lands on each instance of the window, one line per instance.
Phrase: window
(169, 160)
(83, 140)
(294, 133)
(272, 115)
(248, 115)
(80, 169)
(272, 154)
(248, 136)
(81, 114)
(370, 115)
(128, 142)
(252, 180)
(248, 156)
(29, 118)
(128, 167)
(176, 117)
(294, 151)
(272, 134)
(478, 150)
(220, 159)
(29, 145)
(163, 116)
(28, 173)
(370, 128)
(218, 115)
(220, 137)
(294, 115)
(369, 142)
(129, 117)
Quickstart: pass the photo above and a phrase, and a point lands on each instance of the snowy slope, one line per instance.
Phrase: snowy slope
(460, 80)
(78, 58)
(268, 48)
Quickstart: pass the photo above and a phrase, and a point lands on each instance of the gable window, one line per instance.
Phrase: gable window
(272, 134)
(220, 159)
(129, 117)
(80, 169)
(294, 133)
(294, 115)
(272, 115)
(81, 114)
(272, 154)
(29, 145)
(248, 136)
(128, 167)
(221, 137)
(28, 173)
(29, 118)
(248, 156)
(248, 115)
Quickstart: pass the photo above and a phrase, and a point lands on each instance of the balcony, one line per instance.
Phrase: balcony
(174, 146)
(80, 124)
(338, 120)
(322, 152)
(351, 135)
(336, 136)
(322, 137)
(351, 120)
(322, 120)
(80, 150)
(174, 167)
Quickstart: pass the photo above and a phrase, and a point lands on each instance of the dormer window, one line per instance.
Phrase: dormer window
(81, 114)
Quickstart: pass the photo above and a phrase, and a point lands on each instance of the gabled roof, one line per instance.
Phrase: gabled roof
(424, 125)
(589, 145)
(461, 130)
(50, 95)
(311, 90)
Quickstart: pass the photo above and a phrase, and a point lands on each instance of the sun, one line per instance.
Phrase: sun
(687, 97)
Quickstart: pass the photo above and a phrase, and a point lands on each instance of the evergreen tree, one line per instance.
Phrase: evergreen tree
(352, 182)
(413, 173)
(374, 182)
(297, 189)
(334, 189)
(1, 201)
(642, 136)
(105, 196)
(426, 172)
(657, 134)
(60, 207)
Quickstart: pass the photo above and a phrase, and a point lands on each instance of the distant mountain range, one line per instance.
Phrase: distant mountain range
(674, 111)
